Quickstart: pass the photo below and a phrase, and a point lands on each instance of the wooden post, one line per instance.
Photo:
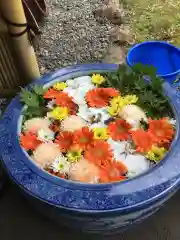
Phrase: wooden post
(13, 12)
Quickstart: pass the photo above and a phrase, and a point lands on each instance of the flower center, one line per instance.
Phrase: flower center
(100, 153)
(83, 140)
(120, 129)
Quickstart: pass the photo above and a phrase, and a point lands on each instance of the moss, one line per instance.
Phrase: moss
(152, 19)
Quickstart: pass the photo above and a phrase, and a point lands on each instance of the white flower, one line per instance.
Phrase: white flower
(61, 165)
(79, 82)
(70, 83)
(102, 111)
(83, 112)
(136, 164)
(133, 115)
(119, 149)
(98, 114)
(45, 135)
(78, 94)
(51, 104)
(172, 121)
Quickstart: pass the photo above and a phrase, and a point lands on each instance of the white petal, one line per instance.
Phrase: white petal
(133, 115)
(45, 135)
(118, 148)
(136, 164)
(71, 83)
(83, 80)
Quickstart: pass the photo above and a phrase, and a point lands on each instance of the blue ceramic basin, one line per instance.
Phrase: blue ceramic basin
(103, 208)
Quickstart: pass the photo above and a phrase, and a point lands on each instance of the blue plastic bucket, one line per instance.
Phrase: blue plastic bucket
(162, 55)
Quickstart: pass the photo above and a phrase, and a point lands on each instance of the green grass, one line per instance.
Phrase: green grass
(154, 19)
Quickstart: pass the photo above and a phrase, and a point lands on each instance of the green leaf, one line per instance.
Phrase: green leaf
(39, 90)
(151, 97)
(29, 98)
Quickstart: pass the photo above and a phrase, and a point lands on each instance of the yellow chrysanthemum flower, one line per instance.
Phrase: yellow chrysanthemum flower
(97, 79)
(59, 113)
(60, 86)
(156, 153)
(118, 102)
(113, 110)
(74, 155)
(130, 99)
(100, 133)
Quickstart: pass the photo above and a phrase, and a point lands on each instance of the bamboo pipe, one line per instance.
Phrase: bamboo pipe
(13, 11)
(3, 26)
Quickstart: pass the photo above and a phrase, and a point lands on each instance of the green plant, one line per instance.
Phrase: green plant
(150, 94)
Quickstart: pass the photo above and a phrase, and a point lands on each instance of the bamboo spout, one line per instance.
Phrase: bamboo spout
(13, 12)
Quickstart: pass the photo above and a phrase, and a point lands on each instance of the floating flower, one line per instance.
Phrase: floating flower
(119, 130)
(64, 100)
(45, 154)
(100, 133)
(97, 79)
(73, 123)
(120, 149)
(51, 94)
(83, 138)
(142, 140)
(118, 102)
(114, 173)
(29, 141)
(59, 113)
(45, 135)
(113, 110)
(79, 82)
(33, 125)
(84, 171)
(136, 164)
(161, 130)
(172, 121)
(133, 115)
(61, 165)
(64, 140)
(156, 153)
(99, 97)
(130, 99)
(111, 92)
(74, 154)
(60, 86)
(99, 153)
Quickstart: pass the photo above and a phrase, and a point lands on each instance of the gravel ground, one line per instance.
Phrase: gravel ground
(71, 34)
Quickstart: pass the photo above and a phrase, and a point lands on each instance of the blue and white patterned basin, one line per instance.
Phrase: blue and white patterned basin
(97, 208)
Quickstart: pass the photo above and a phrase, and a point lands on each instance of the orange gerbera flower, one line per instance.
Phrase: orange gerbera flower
(64, 100)
(142, 140)
(111, 92)
(64, 140)
(99, 97)
(161, 130)
(83, 137)
(29, 141)
(119, 130)
(51, 94)
(113, 173)
(99, 153)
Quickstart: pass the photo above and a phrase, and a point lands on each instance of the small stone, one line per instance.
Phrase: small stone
(120, 35)
(111, 12)
(115, 54)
